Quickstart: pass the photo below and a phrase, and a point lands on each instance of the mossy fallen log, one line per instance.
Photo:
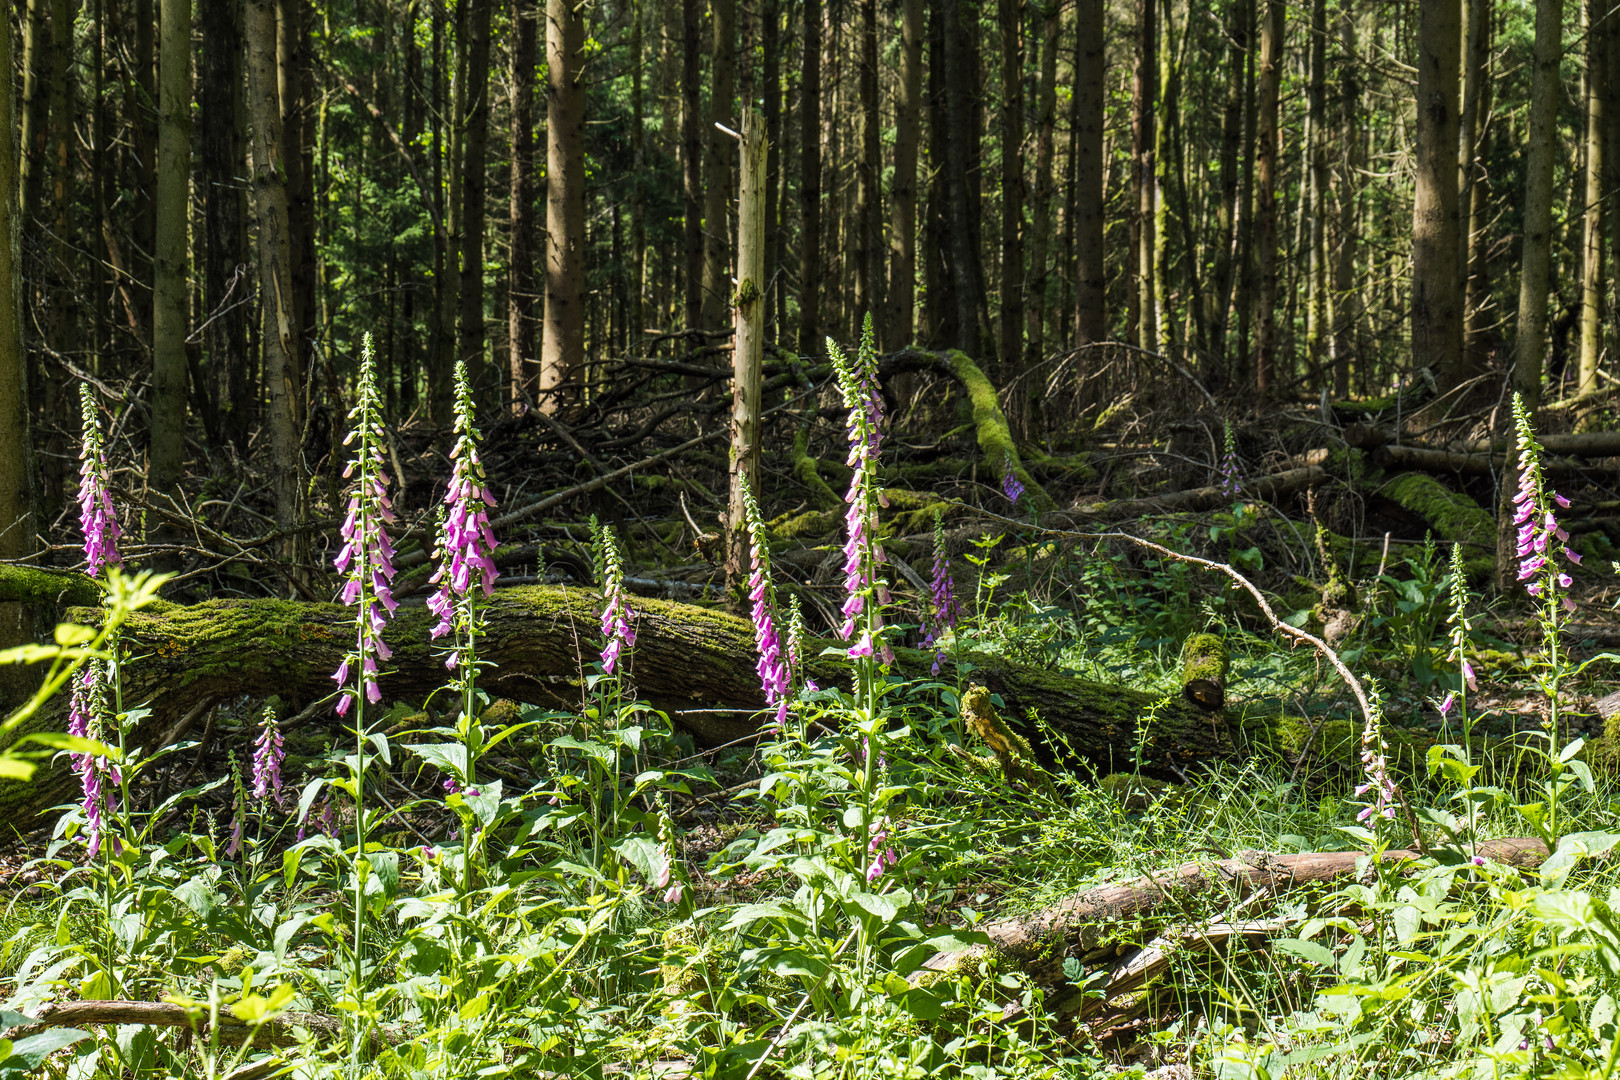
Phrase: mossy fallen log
(1203, 671)
(687, 658)
(1450, 515)
(36, 585)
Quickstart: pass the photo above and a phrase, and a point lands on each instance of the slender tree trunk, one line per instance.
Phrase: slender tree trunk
(1090, 108)
(902, 291)
(141, 102)
(38, 77)
(19, 483)
(771, 106)
(1011, 324)
(967, 274)
(810, 184)
(1317, 337)
(748, 339)
(717, 164)
(219, 101)
(295, 87)
(275, 257)
(521, 298)
(940, 312)
(868, 174)
(170, 293)
(1347, 295)
(474, 175)
(1271, 46)
(562, 350)
(1592, 278)
(692, 161)
(1142, 304)
(1240, 20)
(638, 162)
(1475, 187)
(1040, 231)
(450, 114)
(1436, 279)
(1541, 148)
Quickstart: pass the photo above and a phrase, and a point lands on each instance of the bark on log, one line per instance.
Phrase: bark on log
(686, 658)
(1196, 500)
(1473, 464)
(1039, 942)
(1203, 671)
(276, 1032)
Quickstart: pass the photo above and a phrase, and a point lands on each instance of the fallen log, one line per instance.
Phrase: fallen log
(687, 659)
(1579, 444)
(1040, 941)
(1203, 671)
(1196, 500)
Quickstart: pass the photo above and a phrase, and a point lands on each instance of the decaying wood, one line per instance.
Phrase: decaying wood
(276, 1032)
(1203, 671)
(1040, 941)
(1196, 500)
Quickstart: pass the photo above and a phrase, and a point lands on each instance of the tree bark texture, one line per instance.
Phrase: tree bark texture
(521, 298)
(277, 325)
(222, 149)
(562, 350)
(1271, 48)
(868, 175)
(1145, 92)
(1011, 322)
(1598, 29)
(1090, 108)
(902, 289)
(718, 150)
(1437, 304)
(170, 291)
(474, 178)
(747, 341)
(1541, 149)
(810, 343)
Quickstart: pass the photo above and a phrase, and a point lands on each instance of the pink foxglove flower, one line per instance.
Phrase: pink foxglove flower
(97, 517)
(1539, 534)
(863, 554)
(268, 754)
(1231, 482)
(882, 856)
(1376, 765)
(618, 619)
(772, 665)
(367, 555)
(99, 778)
(466, 543)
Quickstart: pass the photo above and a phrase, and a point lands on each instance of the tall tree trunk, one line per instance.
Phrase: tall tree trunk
(1317, 337)
(1476, 38)
(1271, 47)
(748, 340)
(275, 257)
(169, 288)
(449, 114)
(1436, 280)
(219, 103)
(937, 322)
(1541, 148)
(810, 184)
(902, 290)
(562, 350)
(692, 144)
(1240, 21)
(717, 164)
(771, 106)
(19, 485)
(1040, 230)
(141, 102)
(1145, 93)
(1347, 295)
(966, 270)
(474, 176)
(868, 174)
(638, 163)
(520, 293)
(1592, 280)
(295, 75)
(1011, 326)
(1090, 109)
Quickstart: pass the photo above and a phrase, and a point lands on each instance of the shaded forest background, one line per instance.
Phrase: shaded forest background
(1089, 198)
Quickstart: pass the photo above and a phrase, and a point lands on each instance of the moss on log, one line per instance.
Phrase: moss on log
(1452, 516)
(990, 427)
(686, 658)
(1203, 671)
(34, 585)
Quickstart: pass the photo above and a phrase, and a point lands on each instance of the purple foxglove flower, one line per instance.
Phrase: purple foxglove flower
(97, 517)
(1010, 485)
(617, 632)
(673, 896)
(366, 553)
(1468, 676)
(268, 754)
(466, 542)
(1231, 475)
(863, 647)
(857, 384)
(1445, 706)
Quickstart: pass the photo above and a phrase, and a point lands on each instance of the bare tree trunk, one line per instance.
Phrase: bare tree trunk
(868, 174)
(717, 164)
(966, 271)
(638, 162)
(1541, 148)
(520, 295)
(474, 176)
(1145, 92)
(219, 102)
(37, 78)
(169, 287)
(1240, 21)
(1317, 339)
(275, 261)
(1011, 325)
(1347, 296)
(810, 184)
(776, 175)
(562, 349)
(692, 161)
(1592, 278)
(1271, 47)
(748, 340)
(1436, 279)
(902, 294)
(295, 74)
(1090, 108)
(19, 481)
(1040, 230)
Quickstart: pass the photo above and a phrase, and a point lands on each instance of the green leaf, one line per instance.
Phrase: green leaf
(30, 1053)
(1312, 951)
(448, 758)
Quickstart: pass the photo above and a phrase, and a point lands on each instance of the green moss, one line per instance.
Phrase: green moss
(1452, 517)
(990, 426)
(807, 471)
(1204, 657)
(32, 585)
